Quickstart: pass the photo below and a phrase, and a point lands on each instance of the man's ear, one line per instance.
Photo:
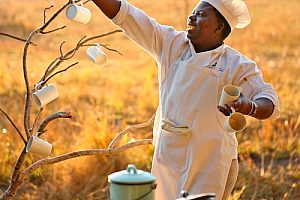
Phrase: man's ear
(220, 28)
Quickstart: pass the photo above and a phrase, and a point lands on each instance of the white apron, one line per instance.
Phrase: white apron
(196, 161)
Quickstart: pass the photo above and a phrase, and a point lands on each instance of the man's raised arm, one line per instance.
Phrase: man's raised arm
(109, 7)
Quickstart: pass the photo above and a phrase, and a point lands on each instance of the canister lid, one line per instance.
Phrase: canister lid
(131, 176)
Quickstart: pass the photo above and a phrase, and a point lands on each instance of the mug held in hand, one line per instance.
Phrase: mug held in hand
(45, 95)
(230, 93)
(96, 54)
(78, 13)
(236, 122)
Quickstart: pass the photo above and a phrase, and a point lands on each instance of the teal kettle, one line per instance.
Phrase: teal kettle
(131, 184)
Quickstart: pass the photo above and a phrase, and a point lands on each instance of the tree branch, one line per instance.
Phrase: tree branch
(63, 70)
(100, 36)
(88, 152)
(56, 62)
(110, 49)
(131, 128)
(86, 1)
(14, 125)
(19, 164)
(50, 118)
(36, 118)
(48, 68)
(45, 12)
(45, 25)
(27, 106)
(59, 28)
(28, 92)
(105, 46)
(60, 48)
(16, 38)
(16, 179)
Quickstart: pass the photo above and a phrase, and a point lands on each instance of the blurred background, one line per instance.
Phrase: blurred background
(105, 100)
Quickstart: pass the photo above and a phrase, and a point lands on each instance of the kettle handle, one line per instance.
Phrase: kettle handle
(131, 169)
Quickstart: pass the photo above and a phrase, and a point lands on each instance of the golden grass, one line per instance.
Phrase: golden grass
(105, 100)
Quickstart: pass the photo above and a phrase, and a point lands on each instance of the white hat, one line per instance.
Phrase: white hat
(234, 11)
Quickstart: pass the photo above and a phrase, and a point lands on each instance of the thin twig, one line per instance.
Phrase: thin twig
(48, 68)
(14, 125)
(80, 153)
(36, 118)
(59, 28)
(52, 117)
(110, 49)
(45, 12)
(72, 52)
(100, 36)
(131, 128)
(17, 38)
(70, 55)
(60, 48)
(79, 42)
(86, 1)
(42, 28)
(63, 70)
(60, 59)
(105, 46)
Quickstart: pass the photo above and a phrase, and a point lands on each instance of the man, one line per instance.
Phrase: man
(193, 152)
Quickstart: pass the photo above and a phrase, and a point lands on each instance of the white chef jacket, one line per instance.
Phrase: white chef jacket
(167, 45)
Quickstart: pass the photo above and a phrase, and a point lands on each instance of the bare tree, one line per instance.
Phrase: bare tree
(20, 171)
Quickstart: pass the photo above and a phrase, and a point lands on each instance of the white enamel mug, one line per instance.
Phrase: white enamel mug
(45, 95)
(230, 93)
(78, 13)
(236, 122)
(38, 146)
(96, 54)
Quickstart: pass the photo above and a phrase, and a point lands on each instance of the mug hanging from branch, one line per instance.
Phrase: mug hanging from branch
(78, 13)
(44, 95)
(96, 54)
(38, 146)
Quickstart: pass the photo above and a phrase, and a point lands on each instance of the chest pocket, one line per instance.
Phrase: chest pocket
(187, 92)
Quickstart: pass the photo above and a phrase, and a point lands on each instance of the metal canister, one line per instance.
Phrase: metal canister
(131, 184)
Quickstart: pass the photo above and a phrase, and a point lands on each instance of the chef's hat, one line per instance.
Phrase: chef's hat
(234, 11)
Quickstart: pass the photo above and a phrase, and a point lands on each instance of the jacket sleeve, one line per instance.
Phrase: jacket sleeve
(250, 78)
(142, 29)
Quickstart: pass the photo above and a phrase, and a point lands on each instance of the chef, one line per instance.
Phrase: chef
(193, 151)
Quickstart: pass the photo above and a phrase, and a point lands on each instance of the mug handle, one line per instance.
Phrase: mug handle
(38, 85)
(80, 2)
(232, 110)
(43, 133)
(240, 89)
(98, 45)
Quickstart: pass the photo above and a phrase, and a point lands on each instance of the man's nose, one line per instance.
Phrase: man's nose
(191, 17)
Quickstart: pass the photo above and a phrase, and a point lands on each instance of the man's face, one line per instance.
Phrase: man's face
(202, 25)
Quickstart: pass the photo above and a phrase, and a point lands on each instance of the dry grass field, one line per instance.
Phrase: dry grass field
(105, 100)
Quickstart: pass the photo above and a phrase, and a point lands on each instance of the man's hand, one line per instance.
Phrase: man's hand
(109, 7)
(242, 105)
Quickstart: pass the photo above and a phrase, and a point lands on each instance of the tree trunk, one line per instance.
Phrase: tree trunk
(11, 191)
